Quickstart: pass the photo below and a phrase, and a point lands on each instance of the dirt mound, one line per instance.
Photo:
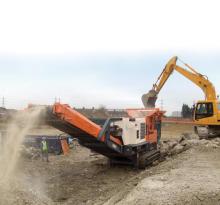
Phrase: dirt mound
(184, 142)
(190, 178)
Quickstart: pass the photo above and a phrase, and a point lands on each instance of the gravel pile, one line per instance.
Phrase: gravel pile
(186, 141)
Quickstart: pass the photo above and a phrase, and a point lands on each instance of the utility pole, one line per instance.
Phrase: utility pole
(3, 102)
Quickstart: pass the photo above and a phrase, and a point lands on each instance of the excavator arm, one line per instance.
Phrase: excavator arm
(200, 80)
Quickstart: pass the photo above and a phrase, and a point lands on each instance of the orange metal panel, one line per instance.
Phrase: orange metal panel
(65, 112)
(151, 116)
(65, 146)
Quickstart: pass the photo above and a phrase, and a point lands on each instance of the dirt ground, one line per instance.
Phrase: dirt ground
(82, 177)
(172, 130)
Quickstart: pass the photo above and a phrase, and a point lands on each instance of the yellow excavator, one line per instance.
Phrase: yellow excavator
(206, 114)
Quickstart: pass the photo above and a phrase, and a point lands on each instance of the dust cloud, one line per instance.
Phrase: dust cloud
(12, 185)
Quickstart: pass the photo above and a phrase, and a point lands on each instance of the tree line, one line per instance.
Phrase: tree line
(187, 111)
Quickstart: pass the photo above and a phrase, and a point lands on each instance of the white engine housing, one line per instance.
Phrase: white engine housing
(133, 130)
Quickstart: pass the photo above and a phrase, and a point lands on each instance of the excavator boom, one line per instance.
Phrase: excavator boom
(149, 99)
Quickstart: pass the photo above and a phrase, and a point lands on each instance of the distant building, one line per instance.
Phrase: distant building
(6, 114)
(102, 112)
(176, 114)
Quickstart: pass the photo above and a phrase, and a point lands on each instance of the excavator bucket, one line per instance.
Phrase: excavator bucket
(149, 99)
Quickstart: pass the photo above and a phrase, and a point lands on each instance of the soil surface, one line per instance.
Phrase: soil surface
(83, 177)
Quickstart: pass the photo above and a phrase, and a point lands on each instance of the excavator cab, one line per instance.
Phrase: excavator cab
(206, 114)
(204, 110)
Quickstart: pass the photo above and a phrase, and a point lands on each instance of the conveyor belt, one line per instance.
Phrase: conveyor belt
(97, 138)
(58, 121)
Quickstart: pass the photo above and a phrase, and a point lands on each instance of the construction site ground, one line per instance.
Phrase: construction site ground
(84, 177)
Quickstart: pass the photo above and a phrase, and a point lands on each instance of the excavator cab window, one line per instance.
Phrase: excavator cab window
(203, 110)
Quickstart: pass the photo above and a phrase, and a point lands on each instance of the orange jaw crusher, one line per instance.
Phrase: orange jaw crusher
(132, 140)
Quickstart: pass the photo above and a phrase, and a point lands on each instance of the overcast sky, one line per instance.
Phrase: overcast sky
(91, 52)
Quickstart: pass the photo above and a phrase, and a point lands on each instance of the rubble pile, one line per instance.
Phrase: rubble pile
(173, 147)
(30, 152)
(212, 143)
(186, 141)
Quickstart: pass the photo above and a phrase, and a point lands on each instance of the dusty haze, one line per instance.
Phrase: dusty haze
(10, 183)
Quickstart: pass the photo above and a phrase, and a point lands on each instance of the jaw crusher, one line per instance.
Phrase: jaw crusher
(129, 140)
